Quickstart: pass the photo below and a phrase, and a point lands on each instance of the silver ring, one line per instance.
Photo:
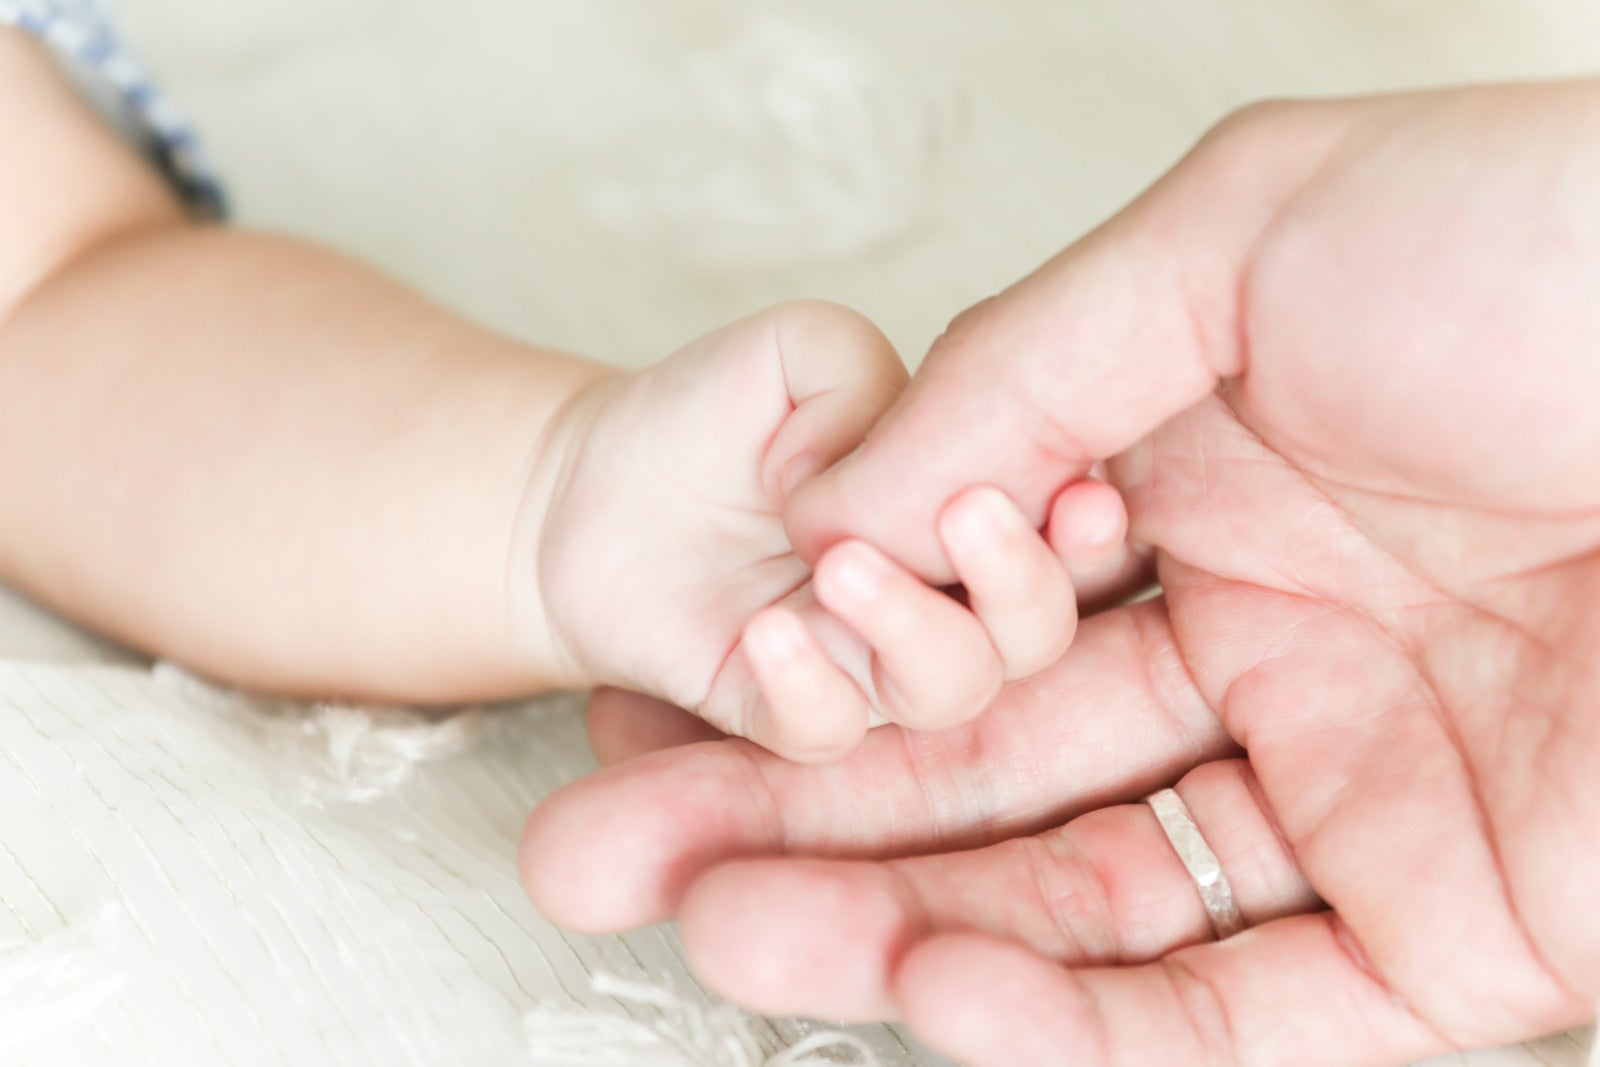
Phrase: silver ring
(1184, 836)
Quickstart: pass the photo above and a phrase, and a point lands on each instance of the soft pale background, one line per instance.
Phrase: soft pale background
(471, 147)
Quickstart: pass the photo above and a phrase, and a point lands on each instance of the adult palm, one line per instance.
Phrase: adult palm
(1380, 547)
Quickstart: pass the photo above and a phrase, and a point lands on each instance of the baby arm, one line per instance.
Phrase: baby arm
(246, 452)
(266, 461)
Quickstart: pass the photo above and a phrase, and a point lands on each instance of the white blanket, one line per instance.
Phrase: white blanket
(518, 161)
(193, 880)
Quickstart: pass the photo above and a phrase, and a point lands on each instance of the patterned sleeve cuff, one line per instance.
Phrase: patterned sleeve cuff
(87, 43)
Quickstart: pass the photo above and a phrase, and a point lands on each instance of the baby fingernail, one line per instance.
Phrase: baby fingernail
(856, 576)
(1102, 529)
(980, 527)
(774, 638)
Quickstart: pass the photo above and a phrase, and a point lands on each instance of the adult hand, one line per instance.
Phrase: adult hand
(1380, 546)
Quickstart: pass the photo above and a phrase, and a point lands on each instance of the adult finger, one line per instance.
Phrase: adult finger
(1106, 888)
(1116, 717)
(1293, 991)
(1076, 362)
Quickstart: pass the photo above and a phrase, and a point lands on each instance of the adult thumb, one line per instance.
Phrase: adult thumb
(1081, 359)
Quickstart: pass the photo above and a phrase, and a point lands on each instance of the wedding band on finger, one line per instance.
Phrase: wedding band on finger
(1202, 863)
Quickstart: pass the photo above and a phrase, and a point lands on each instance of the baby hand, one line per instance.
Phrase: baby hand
(938, 659)
(662, 563)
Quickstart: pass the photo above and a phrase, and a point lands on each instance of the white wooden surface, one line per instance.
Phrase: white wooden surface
(458, 145)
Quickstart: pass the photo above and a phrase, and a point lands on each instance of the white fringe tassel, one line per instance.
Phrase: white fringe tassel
(335, 753)
(60, 979)
(684, 1035)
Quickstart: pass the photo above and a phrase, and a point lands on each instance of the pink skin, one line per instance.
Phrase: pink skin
(1086, 549)
(709, 607)
(934, 663)
(1372, 673)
